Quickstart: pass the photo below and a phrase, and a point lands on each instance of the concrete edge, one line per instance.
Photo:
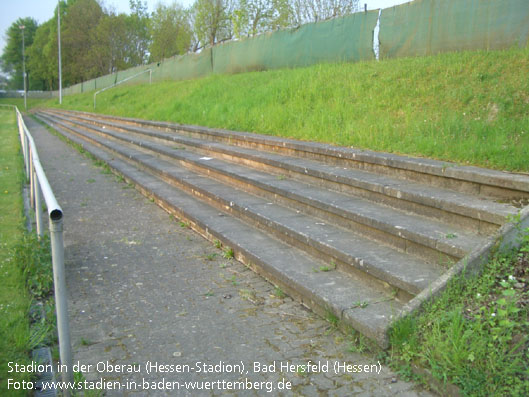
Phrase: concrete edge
(439, 168)
(506, 237)
(43, 356)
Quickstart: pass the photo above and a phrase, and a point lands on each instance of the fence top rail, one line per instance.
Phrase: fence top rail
(121, 81)
(54, 210)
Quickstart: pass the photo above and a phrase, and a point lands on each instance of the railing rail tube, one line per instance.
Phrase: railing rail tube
(122, 81)
(40, 188)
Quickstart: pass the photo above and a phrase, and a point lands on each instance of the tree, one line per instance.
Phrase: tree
(212, 21)
(138, 33)
(3, 82)
(41, 62)
(12, 57)
(281, 15)
(79, 37)
(252, 17)
(170, 32)
(112, 48)
(305, 11)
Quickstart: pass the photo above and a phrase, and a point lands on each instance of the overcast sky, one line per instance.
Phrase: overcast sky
(42, 10)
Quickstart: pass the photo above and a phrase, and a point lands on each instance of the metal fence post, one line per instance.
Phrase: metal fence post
(31, 180)
(22, 140)
(63, 326)
(26, 154)
(38, 209)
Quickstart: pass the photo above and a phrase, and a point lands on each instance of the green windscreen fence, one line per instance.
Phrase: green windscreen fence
(421, 27)
(425, 27)
(348, 38)
(184, 67)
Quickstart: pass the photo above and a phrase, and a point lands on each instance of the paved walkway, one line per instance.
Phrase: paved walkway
(144, 288)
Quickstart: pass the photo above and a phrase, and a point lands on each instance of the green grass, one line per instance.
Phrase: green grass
(19, 102)
(476, 334)
(468, 107)
(15, 335)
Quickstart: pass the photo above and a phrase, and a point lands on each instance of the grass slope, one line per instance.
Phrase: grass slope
(14, 298)
(476, 334)
(468, 107)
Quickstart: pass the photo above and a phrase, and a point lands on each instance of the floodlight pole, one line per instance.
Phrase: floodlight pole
(22, 27)
(59, 42)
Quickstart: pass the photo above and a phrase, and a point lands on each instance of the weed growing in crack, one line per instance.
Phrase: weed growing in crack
(228, 253)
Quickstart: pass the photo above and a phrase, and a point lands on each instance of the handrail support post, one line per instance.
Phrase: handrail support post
(63, 326)
(38, 208)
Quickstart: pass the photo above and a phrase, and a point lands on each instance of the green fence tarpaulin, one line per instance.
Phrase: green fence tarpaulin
(184, 67)
(421, 27)
(426, 27)
(348, 38)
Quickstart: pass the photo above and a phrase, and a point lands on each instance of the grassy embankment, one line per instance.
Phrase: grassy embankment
(19, 102)
(14, 298)
(469, 107)
(476, 335)
(25, 269)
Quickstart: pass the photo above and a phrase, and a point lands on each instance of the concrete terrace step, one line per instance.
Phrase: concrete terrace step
(475, 180)
(348, 297)
(362, 235)
(432, 240)
(462, 209)
(348, 250)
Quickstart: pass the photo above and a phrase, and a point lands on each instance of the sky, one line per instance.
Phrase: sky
(42, 10)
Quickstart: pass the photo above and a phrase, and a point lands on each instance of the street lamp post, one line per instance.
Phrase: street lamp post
(59, 40)
(22, 27)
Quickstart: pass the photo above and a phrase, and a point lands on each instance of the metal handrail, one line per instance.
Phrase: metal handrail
(122, 81)
(39, 188)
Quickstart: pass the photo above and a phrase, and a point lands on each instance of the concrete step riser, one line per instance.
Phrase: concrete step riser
(459, 185)
(299, 150)
(430, 250)
(327, 254)
(408, 243)
(383, 197)
(357, 268)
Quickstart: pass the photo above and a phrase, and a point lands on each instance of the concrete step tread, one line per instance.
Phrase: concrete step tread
(444, 199)
(350, 299)
(385, 263)
(423, 165)
(428, 232)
